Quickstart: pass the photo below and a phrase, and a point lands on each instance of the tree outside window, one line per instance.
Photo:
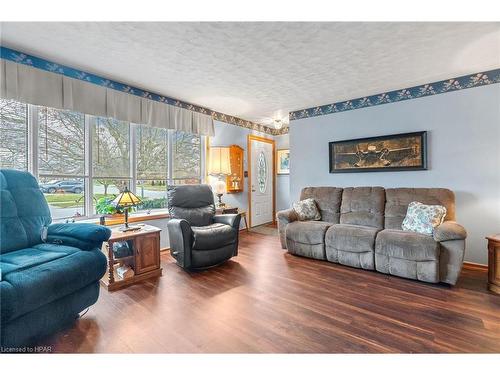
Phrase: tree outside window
(13, 135)
(152, 166)
(61, 161)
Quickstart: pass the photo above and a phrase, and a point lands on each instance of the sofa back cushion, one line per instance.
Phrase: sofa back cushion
(23, 210)
(328, 200)
(194, 203)
(363, 206)
(398, 199)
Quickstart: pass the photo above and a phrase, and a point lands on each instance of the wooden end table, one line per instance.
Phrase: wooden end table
(232, 210)
(494, 263)
(144, 260)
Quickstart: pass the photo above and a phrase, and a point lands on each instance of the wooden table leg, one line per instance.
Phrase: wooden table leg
(245, 217)
(111, 263)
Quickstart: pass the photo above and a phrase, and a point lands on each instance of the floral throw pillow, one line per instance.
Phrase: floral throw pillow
(423, 218)
(307, 210)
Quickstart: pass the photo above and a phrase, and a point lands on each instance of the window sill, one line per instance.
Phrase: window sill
(133, 218)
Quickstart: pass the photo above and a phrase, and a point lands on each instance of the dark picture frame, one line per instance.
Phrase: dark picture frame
(395, 152)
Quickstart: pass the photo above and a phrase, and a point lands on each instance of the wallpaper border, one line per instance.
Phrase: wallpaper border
(440, 87)
(415, 92)
(40, 63)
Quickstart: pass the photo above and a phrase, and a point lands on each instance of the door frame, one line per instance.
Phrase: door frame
(251, 138)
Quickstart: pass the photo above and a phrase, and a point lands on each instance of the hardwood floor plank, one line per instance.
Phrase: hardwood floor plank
(268, 301)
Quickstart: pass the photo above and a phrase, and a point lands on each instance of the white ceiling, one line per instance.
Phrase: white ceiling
(259, 71)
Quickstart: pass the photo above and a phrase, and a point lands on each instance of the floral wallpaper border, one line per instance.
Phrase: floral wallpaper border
(39, 63)
(428, 89)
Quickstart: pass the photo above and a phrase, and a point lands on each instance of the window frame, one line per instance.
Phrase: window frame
(88, 177)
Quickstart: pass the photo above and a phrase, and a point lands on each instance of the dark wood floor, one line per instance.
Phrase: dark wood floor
(267, 300)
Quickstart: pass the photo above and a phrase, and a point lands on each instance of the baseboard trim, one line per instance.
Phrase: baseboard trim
(475, 266)
(467, 265)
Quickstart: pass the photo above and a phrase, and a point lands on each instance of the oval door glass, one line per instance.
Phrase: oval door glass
(262, 172)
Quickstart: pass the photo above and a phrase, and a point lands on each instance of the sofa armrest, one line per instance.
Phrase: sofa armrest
(180, 237)
(81, 235)
(448, 231)
(284, 217)
(232, 220)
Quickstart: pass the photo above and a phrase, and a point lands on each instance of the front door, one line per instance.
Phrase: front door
(261, 180)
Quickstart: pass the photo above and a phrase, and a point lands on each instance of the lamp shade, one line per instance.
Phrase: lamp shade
(218, 161)
(126, 199)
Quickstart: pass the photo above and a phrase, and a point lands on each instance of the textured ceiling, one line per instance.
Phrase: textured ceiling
(259, 71)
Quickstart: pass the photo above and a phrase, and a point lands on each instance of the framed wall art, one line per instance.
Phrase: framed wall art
(283, 161)
(396, 152)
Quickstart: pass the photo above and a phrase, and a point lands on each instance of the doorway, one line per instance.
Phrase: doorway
(261, 180)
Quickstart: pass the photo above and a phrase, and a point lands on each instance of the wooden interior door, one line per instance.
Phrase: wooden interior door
(261, 164)
(147, 253)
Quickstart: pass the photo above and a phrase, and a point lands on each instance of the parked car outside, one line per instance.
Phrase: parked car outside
(67, 186)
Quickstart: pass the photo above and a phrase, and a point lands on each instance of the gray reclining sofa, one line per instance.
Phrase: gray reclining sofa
(361, 227)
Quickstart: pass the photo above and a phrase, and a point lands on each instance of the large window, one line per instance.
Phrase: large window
(61, 161)
(110, 158)
(152, 166)
(13, 135)
(187, 158)
(81, 160)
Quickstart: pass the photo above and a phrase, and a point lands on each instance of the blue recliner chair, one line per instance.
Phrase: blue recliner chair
(49, 273)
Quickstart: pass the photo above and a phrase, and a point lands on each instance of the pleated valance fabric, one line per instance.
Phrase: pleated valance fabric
(35, 86)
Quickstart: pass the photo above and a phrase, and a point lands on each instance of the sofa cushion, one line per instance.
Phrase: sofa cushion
(194, 203)
(351, 245)
(26, 258)
(407, 254)
(398, 199)
(353, 238)
(363, 206)
(328, 200)
(200, 216)
(23, 211)
(41, 275)
(213, 236)
(407, 245)
(307, 232)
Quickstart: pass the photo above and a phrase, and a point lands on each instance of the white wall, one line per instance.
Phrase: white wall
(463, 152)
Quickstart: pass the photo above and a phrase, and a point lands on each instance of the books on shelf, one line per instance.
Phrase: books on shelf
(124, 272)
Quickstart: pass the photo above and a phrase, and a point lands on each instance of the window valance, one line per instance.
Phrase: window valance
(35, 86)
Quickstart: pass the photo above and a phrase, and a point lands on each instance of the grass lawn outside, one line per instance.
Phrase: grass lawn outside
(150, 187)
(69, 200)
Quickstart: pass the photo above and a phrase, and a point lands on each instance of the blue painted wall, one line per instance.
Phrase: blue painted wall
(463, 153)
